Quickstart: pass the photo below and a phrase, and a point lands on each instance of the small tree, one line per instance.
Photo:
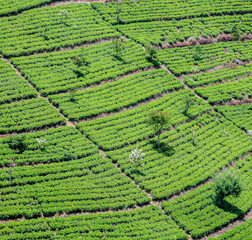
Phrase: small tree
(197, 55)
(158, 120)
(41, 142)
(225, 184)
(136, 157)
(195, 69)
(72, 94)
(79, 61)
(63, 14)
(189, 101)
(193, 138)
(151, 51)
(236, 33)
(11, 167)
(18, 142)
(118, 46)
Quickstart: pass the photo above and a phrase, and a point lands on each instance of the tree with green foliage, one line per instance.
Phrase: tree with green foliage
(136, 157)
(18, 142)
(225, 184)
(189, 101)
(151, 51)
(236, 33)
(11, 167)
(79, 61)
(158, 120)
(118, 45)
(197, 52)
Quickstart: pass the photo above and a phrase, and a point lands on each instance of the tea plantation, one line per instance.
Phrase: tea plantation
(127, 119)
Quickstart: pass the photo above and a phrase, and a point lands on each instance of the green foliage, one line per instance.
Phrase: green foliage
(118, 10)
(226, 183)
(197, 214)
(189, 101)
(41, 114)
(80, 61)
(64, 15)
(145, 223)
(236, 33)
(118, 46)
(181, 165)
(59, 66)
(41, 142)
(95, 101)
(18, 142)
(197, 52)
(240, 115)
(12, 86)
(158, 120)
(180, 60)
(59, 140)
(106, 131)
(21, 34)
(218, 76)
(147, 11)
(151, 51)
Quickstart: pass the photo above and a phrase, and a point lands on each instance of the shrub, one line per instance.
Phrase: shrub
(136, 157)
(225, 184)
(17, 142)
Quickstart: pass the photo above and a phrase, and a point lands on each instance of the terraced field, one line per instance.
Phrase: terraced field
(78, 82)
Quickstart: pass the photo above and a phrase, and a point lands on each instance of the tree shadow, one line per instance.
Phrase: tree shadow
(228, 207)
(155, 63)
(164, 148)
(138, 172)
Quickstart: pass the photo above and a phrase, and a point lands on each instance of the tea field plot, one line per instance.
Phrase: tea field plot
(77, 85)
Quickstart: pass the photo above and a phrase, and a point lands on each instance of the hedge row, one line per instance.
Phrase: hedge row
(145, 10)
(63, 144)
(227, 91)
(15, 6)
(12, 86)
(130, 126)
(191, 154)
(89, 184)
(145, 223)
(55, 72)
(115, 95)
(42, 29)
(163, 33)
(217, 76)
(196, 213)
(181, 60)
(240, 115)
(28, 115)
(242, 232)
